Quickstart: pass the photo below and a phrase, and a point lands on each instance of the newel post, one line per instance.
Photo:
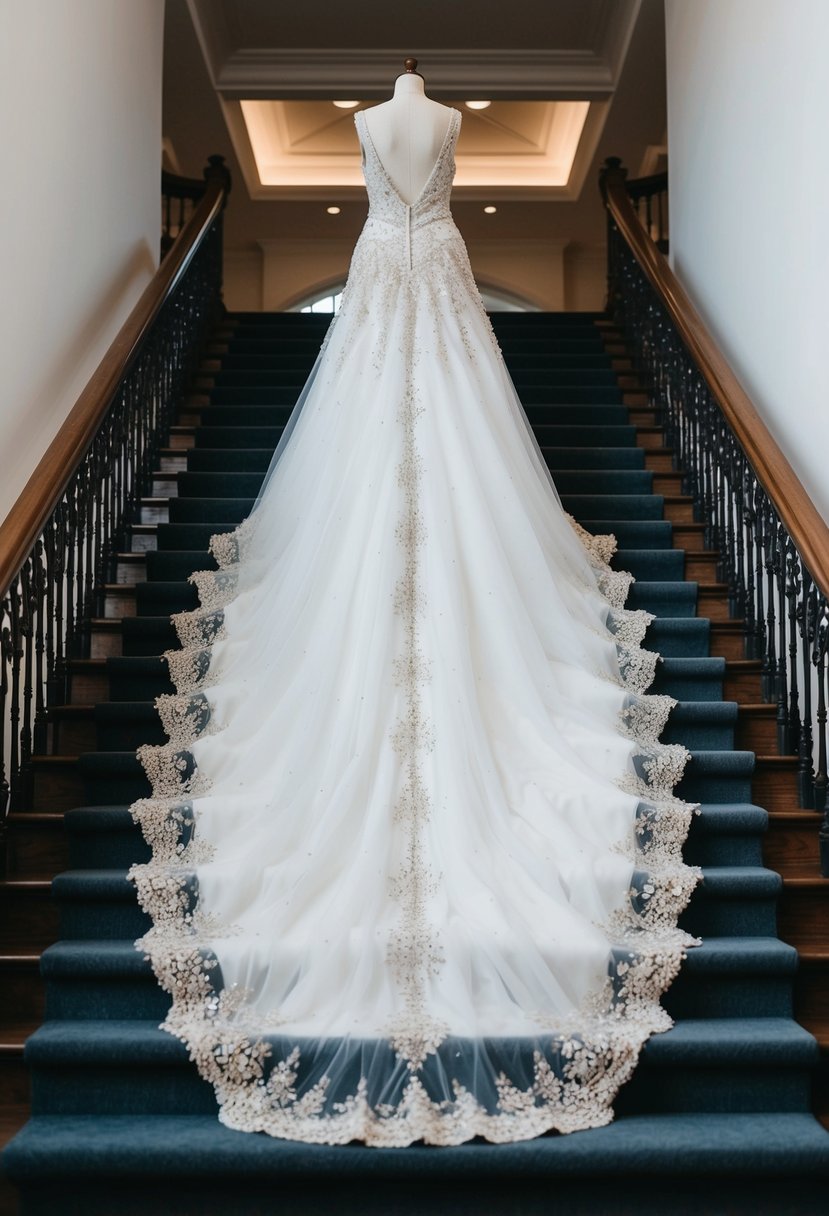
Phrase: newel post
(612, 174)
(217, 170)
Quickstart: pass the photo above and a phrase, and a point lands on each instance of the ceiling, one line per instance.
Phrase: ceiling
(301, 149)
(276, 69)
(301, 58)
(258, 48)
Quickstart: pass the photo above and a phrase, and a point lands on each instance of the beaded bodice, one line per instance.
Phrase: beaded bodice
(386, 206)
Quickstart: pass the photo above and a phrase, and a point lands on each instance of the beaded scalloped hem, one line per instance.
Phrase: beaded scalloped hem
(575, 1071)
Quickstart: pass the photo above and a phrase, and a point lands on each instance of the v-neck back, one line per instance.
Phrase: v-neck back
(373, 156)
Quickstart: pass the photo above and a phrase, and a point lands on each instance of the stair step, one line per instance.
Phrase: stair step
(28, 915)
(118, 777)
(724, 977)
(96, 904)
(106, 837)
(36, 843)
(792, 841)
(715, 1065)
(727, 834)
(776, 779)
(722, 1086)
(124, 725)
(802, 918)
(58, 782)
(758, 1160)
(106, 637)
(702, 725)
(22, 993)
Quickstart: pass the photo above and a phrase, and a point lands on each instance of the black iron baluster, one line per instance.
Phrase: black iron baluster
(16, 657)
(781, 691)
(769, 656)
(39, 576)
(46, 611)
(6, 659)
(27, 605)
(806, 616)
(786, 620)
(819, 662)
(791, 741)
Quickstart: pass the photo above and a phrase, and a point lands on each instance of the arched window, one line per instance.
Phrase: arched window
(495, 301)
(329, 302)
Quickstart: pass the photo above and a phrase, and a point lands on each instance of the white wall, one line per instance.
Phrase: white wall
(748, 107)
(80, 95)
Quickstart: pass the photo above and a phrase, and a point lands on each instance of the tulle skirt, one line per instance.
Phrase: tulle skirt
(416, 863)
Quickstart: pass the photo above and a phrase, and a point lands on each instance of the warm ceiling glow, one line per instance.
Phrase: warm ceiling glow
(333, 210)
(346, 105)
(531, 144)
(477, 105)
(490, 210)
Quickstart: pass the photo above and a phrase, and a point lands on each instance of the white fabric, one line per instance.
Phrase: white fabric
(416, 857)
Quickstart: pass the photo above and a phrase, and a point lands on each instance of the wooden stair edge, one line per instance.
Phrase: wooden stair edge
(803, 814)
(58, 760)
(50, 818)
(13, 1035)
(26, 884)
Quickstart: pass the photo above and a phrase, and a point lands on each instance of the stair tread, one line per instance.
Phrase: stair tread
(806, 874)
(702, 761)
(717, 816)
(599, 434)
(757, 1145)
(746, 954)
(33, 817)
(113, 883)
(748, 1040)
(13, 1035)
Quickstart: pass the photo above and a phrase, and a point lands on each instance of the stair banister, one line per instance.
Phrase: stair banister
(59, 541)
(773, 542)
(179, 196)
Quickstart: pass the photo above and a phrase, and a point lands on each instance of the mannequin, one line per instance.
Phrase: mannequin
(408, 133)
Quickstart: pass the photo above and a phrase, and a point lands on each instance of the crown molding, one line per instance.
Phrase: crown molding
(513, 74)
(238, 72)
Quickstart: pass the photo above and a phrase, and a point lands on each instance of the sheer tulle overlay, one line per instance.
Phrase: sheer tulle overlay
(416, 856)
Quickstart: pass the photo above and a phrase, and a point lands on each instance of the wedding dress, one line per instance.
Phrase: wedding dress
(416, 857)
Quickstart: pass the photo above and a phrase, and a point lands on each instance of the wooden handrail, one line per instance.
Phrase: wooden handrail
(638, 187)
(794, 507)
(41, 494)
(181, 187)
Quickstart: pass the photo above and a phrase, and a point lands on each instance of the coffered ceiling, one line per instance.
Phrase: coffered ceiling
(549, 69)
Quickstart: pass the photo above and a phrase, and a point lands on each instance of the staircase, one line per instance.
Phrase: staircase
(718, 1117)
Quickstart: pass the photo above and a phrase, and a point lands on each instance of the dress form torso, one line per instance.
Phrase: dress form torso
(408, 133)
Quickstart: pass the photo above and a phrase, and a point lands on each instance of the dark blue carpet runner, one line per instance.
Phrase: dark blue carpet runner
(717, 1117)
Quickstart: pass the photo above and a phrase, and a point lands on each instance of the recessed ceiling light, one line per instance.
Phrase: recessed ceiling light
(477, 105)
(333, 210)
(349, 105)
(490, 210)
